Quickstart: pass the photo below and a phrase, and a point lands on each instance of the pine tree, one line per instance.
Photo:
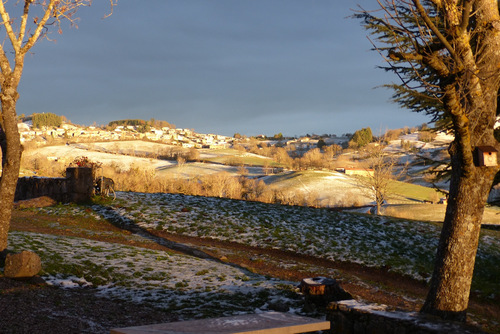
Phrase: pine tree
(446, 54)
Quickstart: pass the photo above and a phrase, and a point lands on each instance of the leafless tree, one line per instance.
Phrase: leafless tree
(381, 172)
(25, 23)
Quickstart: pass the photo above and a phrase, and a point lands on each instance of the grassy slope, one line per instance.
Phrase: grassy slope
(406, 247)
(330, 188)
(232, 156)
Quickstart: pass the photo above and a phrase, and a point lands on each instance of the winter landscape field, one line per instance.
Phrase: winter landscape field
(193, 286)
(196, 281)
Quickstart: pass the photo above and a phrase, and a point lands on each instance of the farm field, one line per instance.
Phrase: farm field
(193, 256)
(189, 281)
(320, 187)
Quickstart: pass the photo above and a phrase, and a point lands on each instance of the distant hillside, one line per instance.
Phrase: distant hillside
(140, 122)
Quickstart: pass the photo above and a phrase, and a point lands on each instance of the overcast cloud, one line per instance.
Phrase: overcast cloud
(216, 66)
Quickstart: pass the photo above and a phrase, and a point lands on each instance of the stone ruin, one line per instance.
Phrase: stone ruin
(77, 186)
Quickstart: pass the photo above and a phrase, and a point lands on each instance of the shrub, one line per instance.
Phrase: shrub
(426, 136)
(392, 134)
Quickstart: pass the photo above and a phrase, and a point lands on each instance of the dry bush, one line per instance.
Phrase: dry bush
(223, 184)
(180, 161)
(213, 185)
(350, 199)
(43, 167)
(242, 171)
(312, 158)
(282, 197)
(426, 136)
(281, 156)
(193, 154)
(392, 134)
(289, 198)
(312, 199)
(170, 153)
(267, 196)
(168, 184)
(254, 189)
(266, 167)
(134, 179)
(29, 146)
(332, 151)
(239, 148)
(234, 188)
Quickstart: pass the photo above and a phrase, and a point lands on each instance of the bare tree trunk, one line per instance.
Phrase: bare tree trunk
(469, 188)
(11, 163)
(21, 34)
(450, 285)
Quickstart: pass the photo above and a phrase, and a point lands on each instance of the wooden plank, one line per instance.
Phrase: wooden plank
(262, 323)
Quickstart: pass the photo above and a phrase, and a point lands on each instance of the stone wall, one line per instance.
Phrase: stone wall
(76, 187)
(352, 317)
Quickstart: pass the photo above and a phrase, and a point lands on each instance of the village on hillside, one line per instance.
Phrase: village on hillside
(182, 137)
(186, 138)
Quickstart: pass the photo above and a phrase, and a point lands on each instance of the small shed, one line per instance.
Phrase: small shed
(485, 156)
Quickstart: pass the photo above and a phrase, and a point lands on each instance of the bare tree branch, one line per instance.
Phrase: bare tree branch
(435, 30)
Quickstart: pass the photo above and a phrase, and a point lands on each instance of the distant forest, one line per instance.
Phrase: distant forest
(142, 123)
(45, 119)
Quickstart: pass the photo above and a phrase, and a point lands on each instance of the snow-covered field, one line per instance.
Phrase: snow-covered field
(329, 188)
(67, 153)
(185, 283)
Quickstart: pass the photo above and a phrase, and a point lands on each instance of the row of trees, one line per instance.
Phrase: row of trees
(142, 125)
(289, 159)
(363, 137)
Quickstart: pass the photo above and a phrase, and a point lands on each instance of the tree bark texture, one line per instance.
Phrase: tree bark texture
(12, 160)
(450, 285)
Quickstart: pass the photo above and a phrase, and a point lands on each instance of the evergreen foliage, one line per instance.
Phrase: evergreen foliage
(127, 122)
(446, 55)
(361, 137)
(46, 120)
(141, 124)
(420, 90)
(321, 143)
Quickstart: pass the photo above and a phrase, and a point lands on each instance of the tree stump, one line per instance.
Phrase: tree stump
(319, 291)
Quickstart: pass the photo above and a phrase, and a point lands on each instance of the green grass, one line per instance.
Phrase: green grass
(235, 157)
(402, 245)
(297, 179)
(413, 192)
(434, 212)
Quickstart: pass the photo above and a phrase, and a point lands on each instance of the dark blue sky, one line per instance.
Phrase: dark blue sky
(216, 66)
